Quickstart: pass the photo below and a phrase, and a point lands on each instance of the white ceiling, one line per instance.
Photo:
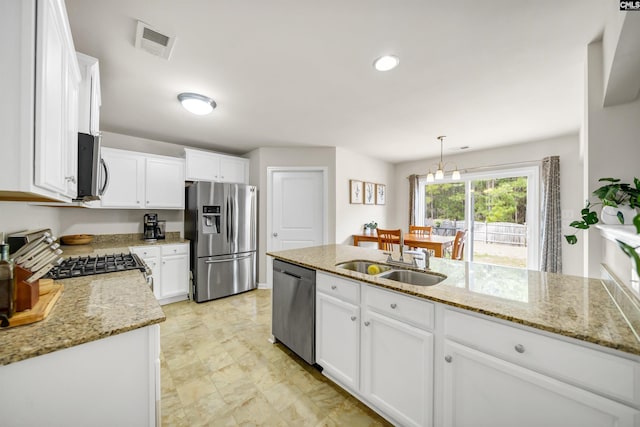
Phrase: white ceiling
(299, 72)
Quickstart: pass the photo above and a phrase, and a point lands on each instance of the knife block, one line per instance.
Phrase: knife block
(27, 294)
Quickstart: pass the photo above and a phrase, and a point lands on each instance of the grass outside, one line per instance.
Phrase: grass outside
(500, 254)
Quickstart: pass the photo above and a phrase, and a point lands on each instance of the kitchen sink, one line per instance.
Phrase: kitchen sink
(411, 277)
(363, 267)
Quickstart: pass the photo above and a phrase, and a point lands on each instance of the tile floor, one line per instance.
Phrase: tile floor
(219, 369)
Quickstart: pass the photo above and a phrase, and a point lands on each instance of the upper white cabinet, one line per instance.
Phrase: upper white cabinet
(138, 181)
(206, 166)
(39, 106)
(89, 99)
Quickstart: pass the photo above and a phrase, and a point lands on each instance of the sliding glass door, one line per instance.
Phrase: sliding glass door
(500, 210)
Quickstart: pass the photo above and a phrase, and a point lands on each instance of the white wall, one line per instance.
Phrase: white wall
(261, 159)
(350, 218)
(114, 221)
(567, 147)
(611, 144)
(18, 216)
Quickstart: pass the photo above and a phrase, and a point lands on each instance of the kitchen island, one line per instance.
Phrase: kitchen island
(488, 345)
(93, 361)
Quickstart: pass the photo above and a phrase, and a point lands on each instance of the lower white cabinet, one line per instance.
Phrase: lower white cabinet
(397, 369)
(384, 347)
(169, 266)
(338, 339)
(483, 390)
(114, 381)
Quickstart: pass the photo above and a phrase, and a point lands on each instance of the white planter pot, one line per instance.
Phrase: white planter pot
(609, 215)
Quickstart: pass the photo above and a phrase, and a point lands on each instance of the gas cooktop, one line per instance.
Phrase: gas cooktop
(89, 265)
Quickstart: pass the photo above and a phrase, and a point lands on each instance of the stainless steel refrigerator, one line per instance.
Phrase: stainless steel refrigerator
(220, 222)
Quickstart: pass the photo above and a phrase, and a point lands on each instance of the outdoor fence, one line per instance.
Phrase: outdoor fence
(488, 232)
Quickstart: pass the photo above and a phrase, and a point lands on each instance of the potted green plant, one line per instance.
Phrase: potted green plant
(619, 203)
(369, 227)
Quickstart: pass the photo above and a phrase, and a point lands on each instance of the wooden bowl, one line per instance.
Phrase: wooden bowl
(77, 239)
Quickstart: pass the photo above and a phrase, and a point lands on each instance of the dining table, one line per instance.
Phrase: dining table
(437, 244)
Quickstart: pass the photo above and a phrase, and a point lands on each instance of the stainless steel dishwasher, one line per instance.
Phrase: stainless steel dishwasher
(294, 308)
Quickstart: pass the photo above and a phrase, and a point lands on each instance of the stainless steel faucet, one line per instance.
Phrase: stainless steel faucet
(401, 246)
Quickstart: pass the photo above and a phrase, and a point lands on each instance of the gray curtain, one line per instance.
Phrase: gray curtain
(551, 260)
(413, 197)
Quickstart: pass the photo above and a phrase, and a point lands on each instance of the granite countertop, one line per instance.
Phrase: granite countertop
(90, 308)
(590, 310)
(117, 243)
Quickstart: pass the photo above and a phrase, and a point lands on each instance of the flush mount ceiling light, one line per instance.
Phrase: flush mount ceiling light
(386, 63)
(455, 175)
(196, 103)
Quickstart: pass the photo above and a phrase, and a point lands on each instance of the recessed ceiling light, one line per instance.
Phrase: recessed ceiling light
(196, 103)
(386, 63)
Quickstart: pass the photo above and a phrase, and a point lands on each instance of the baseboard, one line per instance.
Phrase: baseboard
(263, 286)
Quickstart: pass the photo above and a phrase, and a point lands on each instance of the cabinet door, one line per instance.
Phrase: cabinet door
(233, 170)
(126, 180)
(89, 99)
(175, 276)
(482, 390)
(338, 339)
(202, 166)
(51, 95)
(397, 369)
(164, 183)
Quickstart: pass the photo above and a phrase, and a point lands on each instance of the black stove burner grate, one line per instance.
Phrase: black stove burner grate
(89, 265)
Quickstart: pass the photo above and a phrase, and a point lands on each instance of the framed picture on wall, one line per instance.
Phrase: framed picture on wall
(369, 193)
(355, 195)
(381, 194)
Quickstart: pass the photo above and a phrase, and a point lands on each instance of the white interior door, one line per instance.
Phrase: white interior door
(298, 209)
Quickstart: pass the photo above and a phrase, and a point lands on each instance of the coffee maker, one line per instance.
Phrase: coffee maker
(150, 227)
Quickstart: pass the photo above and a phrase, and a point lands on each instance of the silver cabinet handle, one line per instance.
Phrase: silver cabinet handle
(334, 287)
(519, 348)
(366, 323)
(393, 305)
(353, 318)
(448, 359)
(70, 178)
(275, 234)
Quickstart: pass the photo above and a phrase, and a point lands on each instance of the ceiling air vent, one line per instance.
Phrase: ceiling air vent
(152, 41)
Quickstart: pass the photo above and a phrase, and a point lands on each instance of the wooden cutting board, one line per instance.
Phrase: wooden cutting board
(50, 291)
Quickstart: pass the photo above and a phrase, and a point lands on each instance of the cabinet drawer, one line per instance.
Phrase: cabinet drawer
(402, 307)
(146, 252)
(338, 287)
(598, 371)
(174, 249)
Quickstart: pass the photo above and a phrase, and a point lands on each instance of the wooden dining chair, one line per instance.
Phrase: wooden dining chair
(421, 230)
(388, 238)
(458, 245)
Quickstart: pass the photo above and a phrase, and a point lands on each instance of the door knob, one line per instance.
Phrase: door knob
(275, 234)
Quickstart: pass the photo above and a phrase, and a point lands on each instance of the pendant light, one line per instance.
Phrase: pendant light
(455, 175)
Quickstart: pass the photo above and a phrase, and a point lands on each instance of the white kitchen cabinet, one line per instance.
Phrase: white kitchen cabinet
(114, 381)
(142, 181)
(397, 365)
(89, 99)
(125, 179)
(483, 390)
(207, 166)
(169, 266)
(38, 110)
(164, 183)
(338, 340)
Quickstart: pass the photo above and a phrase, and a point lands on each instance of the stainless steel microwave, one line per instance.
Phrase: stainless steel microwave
(93, 174)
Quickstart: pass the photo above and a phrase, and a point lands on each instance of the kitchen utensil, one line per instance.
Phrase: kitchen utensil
(77, 239)
(24, 249)
(34, 251)
(51, 258)
(39, 257)
(44, 270)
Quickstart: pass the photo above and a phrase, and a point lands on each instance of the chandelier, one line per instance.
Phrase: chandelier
(441, 167)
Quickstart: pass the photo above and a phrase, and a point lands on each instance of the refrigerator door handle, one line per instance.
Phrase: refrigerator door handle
(228, 259)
